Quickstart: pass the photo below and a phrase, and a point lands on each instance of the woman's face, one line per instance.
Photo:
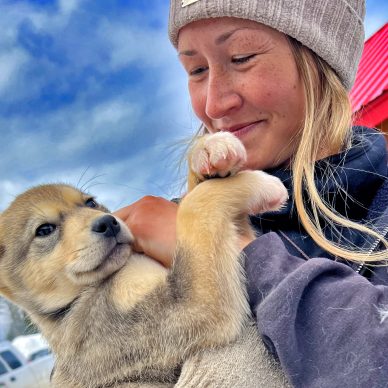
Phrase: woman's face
(243, 79)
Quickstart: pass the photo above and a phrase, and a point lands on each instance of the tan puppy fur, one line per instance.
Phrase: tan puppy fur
(116, 318)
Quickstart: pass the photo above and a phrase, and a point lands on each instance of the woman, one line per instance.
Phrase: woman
(276, 74)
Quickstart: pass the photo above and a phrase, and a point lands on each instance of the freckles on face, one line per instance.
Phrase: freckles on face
(243, 79)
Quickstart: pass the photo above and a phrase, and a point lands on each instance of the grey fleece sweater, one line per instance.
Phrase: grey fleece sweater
(323, 321)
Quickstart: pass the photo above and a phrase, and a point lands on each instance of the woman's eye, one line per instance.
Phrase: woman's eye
(45, 230)
(198, 71)
(91, 203)
(243, 59)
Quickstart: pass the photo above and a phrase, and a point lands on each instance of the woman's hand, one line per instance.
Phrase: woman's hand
(152, 221)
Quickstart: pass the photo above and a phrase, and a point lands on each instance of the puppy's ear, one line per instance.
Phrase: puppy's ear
(2, 245)
(2, 231)
(4, 291)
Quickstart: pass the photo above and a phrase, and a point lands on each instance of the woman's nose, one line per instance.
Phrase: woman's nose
(222, 96)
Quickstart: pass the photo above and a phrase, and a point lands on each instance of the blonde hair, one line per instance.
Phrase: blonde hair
(326, 128)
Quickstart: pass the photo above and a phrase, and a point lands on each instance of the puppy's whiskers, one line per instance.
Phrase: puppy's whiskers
(81, 177)
(86, 186)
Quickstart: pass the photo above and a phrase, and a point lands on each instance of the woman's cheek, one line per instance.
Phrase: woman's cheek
(198, 102)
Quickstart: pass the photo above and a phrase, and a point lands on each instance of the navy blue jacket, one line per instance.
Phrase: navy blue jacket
(326, 321)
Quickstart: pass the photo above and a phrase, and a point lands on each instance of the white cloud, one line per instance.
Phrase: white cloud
(111, 120)
(67, 7)
(9, 190)
(130, 44)
(11, 63)
(91, 130)
(113, 112)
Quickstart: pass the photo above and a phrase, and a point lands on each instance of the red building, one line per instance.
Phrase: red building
(369, 95)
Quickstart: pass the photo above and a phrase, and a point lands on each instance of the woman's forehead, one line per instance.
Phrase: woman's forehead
(219, 30)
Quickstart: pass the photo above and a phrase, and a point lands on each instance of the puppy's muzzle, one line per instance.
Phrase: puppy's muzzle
(107, 248)
(106, 226)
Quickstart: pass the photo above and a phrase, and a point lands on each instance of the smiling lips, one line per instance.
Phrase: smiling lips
(241, 129)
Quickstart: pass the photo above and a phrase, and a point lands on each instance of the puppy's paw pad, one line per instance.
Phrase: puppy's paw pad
(220, 154)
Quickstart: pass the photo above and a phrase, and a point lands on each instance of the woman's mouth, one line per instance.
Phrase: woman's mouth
(240, 130)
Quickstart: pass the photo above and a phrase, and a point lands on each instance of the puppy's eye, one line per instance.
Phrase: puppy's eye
(91, 203)
(45, 230)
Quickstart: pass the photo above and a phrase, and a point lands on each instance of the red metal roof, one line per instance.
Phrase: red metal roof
(372, 75)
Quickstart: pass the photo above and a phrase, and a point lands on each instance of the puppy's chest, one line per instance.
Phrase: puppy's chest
(97, 332)
(123, 360)
(117, 326)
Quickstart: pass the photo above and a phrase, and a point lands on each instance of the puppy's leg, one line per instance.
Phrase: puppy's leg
(220, 154)
(207, 269)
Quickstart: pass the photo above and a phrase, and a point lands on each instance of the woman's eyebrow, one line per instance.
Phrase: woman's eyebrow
(226, 35)
(219, 40)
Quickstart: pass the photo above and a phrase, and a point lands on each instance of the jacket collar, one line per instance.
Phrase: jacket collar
(359, 172)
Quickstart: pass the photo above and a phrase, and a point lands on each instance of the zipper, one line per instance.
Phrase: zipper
(362, 267)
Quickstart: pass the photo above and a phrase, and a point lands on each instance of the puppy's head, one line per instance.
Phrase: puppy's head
(54, 241)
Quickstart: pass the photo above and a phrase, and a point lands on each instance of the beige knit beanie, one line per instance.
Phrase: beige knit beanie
(333, 29)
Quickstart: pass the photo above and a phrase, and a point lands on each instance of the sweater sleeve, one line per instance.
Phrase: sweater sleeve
(324, 322)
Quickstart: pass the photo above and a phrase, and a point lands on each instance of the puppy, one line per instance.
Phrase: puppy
(114, 317)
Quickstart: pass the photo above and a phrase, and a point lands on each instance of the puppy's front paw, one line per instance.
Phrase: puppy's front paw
(220, 154)
(269, 193)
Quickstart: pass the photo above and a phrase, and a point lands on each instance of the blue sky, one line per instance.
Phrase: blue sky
(91, 93)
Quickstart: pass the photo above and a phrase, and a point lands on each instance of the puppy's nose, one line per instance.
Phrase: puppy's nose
(106, 226)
